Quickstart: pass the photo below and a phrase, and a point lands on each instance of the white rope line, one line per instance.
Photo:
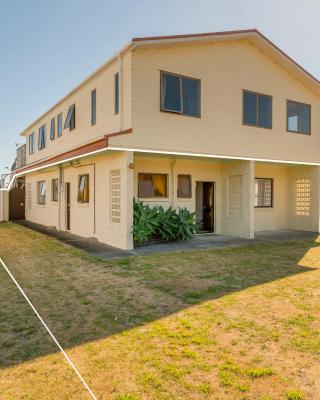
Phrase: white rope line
(48, 330)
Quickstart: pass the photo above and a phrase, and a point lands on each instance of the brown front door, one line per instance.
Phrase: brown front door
(208, 206)
(17, 197)
(68, 206)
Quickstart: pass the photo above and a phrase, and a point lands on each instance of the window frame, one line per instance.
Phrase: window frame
(70, 121)
(272, 190)
(257, 94)
(116, 93)
(31, 147)
(42, 135)
(297, 131)
(93, 107)
(53, 191)
(59, 119)
(41, 203)
(88, 182)
(53, 128)
(162, 109)
(190, 179)
(152, 174)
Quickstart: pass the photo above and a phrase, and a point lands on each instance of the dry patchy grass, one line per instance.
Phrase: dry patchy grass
(240, 323)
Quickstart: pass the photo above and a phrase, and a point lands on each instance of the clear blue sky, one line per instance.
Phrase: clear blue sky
(47, 47)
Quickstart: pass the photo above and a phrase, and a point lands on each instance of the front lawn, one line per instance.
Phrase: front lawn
(239, 323)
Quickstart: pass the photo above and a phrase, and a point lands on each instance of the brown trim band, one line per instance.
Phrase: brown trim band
(79, 151)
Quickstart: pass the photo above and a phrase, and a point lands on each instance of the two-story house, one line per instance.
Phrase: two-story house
(223, 123)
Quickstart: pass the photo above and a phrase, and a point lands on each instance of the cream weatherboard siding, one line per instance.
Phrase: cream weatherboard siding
(225, 69)
(106, 122)
(91, 219)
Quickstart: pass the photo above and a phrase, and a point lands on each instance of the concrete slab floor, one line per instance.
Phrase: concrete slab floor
(201, 241)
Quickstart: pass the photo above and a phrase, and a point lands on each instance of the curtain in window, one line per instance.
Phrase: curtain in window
(184, 186)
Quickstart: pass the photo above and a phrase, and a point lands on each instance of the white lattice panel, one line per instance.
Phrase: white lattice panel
(303, 196)
(115, 193)
(235, 195)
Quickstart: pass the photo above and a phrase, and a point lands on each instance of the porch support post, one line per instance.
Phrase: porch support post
(127, 187)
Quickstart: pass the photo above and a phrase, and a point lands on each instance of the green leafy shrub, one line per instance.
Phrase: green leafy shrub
(156, 223)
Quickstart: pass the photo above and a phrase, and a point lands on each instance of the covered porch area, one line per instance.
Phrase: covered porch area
(236, 198)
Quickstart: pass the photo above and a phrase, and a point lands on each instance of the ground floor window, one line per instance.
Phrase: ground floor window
(184, 187)
(152, 185)
(263, 192)
(83, 189)
(54, 189)
(41, 192)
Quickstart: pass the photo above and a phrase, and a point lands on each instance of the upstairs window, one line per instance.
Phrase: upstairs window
(116, 93)
(41, 192)
(93, 107)
(71, 118)
(152, 185)
(54, 189)
(257, 110)
(83, 189)
(180, 94)
(184, 187)
(263, 193)
(53, 129)
(59, 125)
(299, 117)
(31, 144)
(42, 137)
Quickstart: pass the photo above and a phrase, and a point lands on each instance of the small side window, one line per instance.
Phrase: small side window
(53, 129)
(59, 124)
(184, 187)
(42, 137)
(116, 93)
(31, 144)
(263, 193)
(71, 118)
(83, 189)
(54, 189)
(41, 192)
(93, 107)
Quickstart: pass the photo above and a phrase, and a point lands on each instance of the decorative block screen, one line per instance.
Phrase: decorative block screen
(115, 193)
(235, 195)
(28, 196)
(303, 196)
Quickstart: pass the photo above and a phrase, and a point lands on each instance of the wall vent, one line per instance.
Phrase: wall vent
(303, 197)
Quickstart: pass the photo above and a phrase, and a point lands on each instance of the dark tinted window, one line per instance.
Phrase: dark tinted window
(180, 94)
(71, 118)
(59, 123)
(116, 94)
(264, 111)
(171, 92)
(42, 137)
(257, 110)
(191, 96)
(52, 128)
(299, 117)
(93, 107)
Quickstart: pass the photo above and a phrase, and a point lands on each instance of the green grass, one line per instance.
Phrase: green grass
(239, 323)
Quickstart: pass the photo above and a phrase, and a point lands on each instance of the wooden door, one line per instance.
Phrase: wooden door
(208, 206)
(17, 197)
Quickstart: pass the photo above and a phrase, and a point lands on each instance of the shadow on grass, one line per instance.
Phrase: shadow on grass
(83, 299)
